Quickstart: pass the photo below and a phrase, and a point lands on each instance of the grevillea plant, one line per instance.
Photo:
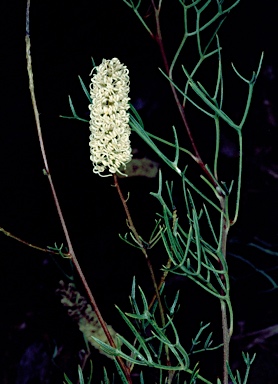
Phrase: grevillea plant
(191, 252)
(195, 244)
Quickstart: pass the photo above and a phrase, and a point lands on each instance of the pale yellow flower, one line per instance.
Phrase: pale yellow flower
(81, 311)
(109, 139)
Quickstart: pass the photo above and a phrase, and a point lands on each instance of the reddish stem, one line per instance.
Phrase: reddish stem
(198, 159)
(158, 39)
(56, 201)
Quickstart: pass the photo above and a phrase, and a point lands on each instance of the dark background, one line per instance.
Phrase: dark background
(64, 37)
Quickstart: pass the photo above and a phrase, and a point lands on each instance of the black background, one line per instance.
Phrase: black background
(64, 37)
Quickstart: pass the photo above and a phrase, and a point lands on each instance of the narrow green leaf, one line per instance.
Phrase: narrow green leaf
(67, 379)
(85, 90)
(106, 380)
(80, 375)
(120, 372)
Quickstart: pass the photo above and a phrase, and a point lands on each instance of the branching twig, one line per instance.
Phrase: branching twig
(198, 159)
(158, 39)
(139, 241)
(9, 234)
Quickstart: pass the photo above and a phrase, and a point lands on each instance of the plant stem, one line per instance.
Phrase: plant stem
(9, 234)
(158, 39)
(225, 328)
(162, 281)
(226, 341)
(140, 243)
(198, 159)
(149, 264)
(223, 202)
(56, 201)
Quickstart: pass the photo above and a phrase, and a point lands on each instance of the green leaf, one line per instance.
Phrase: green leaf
(106, 380)
(87, 93)
(120, 372)
(67, 379)
(80, 375)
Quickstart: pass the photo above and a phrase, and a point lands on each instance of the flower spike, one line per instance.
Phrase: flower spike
(109, 120)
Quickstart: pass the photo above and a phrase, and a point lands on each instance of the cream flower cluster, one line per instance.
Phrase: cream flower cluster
(83, 314)
(109, 139)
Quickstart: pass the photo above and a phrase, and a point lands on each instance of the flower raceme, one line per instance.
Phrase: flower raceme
(109, 139)
(81, 311)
